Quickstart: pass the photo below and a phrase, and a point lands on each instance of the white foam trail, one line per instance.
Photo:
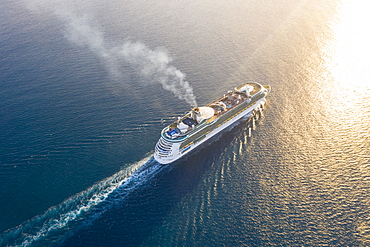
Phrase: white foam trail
(81, 209)
(153, 65)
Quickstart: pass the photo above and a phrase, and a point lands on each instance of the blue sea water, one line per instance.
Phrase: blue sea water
(86, 87)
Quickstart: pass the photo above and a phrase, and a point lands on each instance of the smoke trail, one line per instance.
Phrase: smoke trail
(153, 65)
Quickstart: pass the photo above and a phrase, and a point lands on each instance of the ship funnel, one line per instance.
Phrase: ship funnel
(194, 112)
(200, 113)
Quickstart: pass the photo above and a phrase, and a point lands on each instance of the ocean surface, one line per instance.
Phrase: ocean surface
(87, 86)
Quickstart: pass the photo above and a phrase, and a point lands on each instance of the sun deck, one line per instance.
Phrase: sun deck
(194, 120)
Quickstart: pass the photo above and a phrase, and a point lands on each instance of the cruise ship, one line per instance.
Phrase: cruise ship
(202, 123)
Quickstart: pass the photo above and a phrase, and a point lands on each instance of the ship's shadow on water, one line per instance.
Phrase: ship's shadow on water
(132, 220)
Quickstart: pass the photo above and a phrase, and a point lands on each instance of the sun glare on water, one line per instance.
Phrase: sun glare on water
(350, 61)
(345, 94)
(347, 63)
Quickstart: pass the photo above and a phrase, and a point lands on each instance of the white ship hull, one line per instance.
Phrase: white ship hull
(170, 149)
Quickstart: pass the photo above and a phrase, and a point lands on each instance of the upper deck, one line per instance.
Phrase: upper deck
(198, 117)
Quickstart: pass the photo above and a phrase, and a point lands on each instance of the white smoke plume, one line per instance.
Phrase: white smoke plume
(153, 65)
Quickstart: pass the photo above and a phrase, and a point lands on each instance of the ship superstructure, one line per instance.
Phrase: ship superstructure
(202, 123)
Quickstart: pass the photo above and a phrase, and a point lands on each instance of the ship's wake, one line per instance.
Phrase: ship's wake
(63, 220)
